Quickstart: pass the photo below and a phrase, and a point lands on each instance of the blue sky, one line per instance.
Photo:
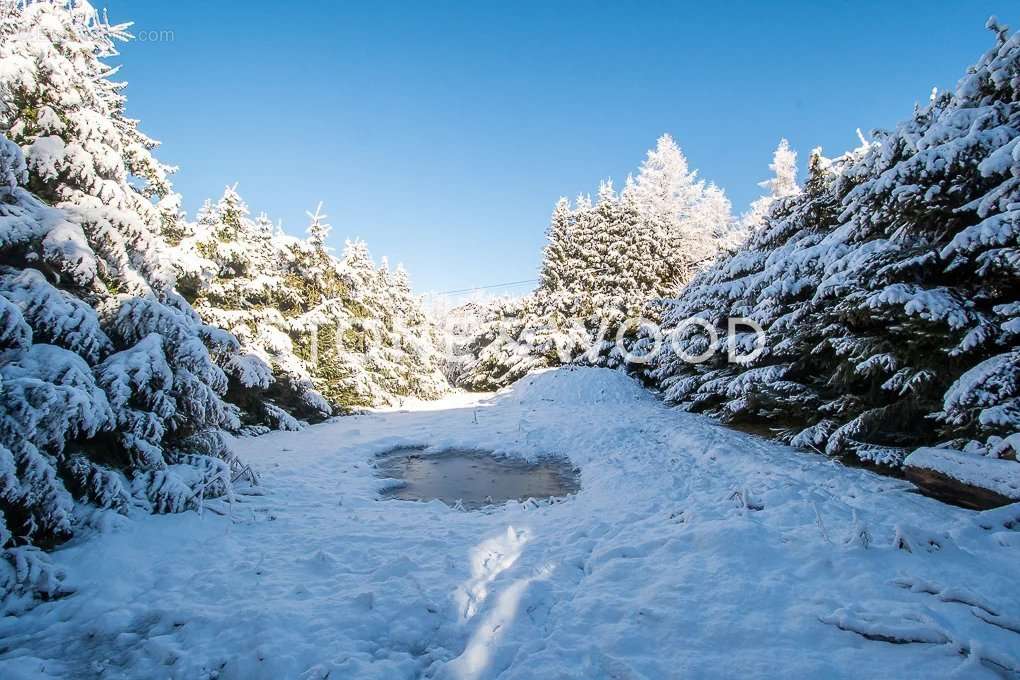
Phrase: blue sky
(442, 133)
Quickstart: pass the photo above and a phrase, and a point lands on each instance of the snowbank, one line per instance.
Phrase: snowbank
(969, 476)
(579, 386)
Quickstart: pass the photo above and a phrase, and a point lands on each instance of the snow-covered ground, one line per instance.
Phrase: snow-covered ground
(691, 551)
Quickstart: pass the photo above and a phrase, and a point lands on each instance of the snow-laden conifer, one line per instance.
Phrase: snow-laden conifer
(887, 288)
(318, 334)
(109, 376)
(605, 264)
(782, 184)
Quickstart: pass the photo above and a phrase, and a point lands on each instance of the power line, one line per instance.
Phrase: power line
(600, 270)
(495, 285)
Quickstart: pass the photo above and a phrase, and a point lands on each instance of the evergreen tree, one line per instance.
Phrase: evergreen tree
(337, 334)
(669, 195)
(114, 400)
(113, 385)
(318, 229)
(605, 262)
(783, 184)
(234, 273)
(84, 155)
(887, 289)
(559, 254)
(116, 390)
(715, 215)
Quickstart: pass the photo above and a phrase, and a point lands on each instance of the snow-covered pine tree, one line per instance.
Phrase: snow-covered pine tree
(458, 324)
(604, 263)
(318, 228)
(585, 266)
(113, 387)
(418, 339)
(337, 334)
(559, 254)
(112, 400)
(83, 154)
(389, 346)
(48, 338)
(516, 336)
(888, 289)
(234, 272)
(622, 277)
(669, 195)
(782, 184)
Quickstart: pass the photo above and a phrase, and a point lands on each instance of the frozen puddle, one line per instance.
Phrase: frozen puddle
(474, 478)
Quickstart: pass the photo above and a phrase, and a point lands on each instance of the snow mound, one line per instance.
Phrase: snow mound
(578, 385)
(994, 474)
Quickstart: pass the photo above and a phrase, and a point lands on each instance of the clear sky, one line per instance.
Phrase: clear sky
(442, 133)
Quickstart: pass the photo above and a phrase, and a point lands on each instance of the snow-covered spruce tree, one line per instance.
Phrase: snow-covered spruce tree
(87, 158)
(560, 252)
(337, 334)
(238, 276)
(411, 330)
(547, 327)
(604, 264)
(111, 400)
(667, 192)
(112, 384)
(387, 346)
(83, 154)
(517, 336)
(782, 184)
(459, 324)
(888, 289)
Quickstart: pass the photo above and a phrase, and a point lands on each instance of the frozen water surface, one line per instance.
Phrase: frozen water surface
(474, 478)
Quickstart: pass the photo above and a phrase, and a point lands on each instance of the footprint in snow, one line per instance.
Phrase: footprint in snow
(321, 562)
(399, 567)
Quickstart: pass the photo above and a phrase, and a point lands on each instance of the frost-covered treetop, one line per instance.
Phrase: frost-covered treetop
(784, 169)
(783, 184)
(318, 228)
(664, 183)
(62, 108)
